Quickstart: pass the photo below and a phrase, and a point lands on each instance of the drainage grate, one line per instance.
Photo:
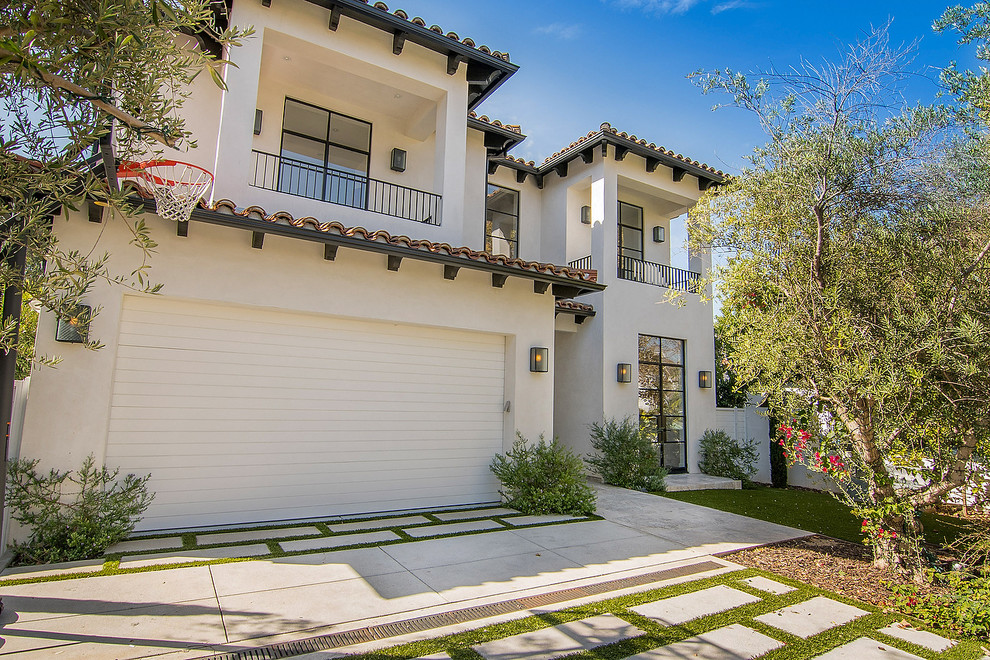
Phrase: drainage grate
(419, 624)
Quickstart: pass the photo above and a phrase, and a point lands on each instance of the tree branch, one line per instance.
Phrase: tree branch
(955, 474)
(61, 83)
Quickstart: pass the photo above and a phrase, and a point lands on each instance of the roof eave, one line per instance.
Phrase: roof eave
(596, 140)
(562, 287)
(497, 69)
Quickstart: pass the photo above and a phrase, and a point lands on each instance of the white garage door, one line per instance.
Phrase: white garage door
(247, 414)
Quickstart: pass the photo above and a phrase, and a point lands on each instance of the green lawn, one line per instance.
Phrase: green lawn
(810, 510)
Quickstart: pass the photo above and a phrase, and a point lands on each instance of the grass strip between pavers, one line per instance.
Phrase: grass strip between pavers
(458, 645)
(111, 564)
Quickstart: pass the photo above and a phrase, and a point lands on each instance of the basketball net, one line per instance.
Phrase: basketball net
(176, 186)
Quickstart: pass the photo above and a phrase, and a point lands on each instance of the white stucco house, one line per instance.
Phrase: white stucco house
(319, 347)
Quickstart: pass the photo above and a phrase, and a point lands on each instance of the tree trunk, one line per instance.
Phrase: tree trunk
(896, 542)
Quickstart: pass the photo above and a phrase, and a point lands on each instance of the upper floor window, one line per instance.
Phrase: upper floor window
(630, 231)
(502, 221)
(324, 154)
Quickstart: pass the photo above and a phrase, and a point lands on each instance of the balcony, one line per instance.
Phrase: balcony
(296, 177)
(647, 272)
(584, 263)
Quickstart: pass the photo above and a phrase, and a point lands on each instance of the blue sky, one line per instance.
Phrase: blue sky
(583, 62)
(626, 62)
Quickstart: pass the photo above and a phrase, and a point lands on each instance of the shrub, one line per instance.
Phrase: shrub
(73, 514)
(722, 456)
(964, 607)
(626, 457)
(543, 477)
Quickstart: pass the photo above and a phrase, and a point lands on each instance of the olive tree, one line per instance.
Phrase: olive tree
(857, 282)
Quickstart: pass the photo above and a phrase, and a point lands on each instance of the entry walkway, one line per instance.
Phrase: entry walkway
(229, 607)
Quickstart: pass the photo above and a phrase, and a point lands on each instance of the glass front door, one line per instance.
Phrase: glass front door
(662, 398)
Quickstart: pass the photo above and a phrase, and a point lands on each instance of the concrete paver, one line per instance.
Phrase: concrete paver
(539, 520)
(379, 523)
(256, 535)
(559, 640)
(453, 528)
(144, 545)
(338, 541)
(768, 585)
(64, 568)
(812, 616)
(686, 607)
(181, 556)
(865, 648)
(735, 642)
(922, 638)
(477, 513)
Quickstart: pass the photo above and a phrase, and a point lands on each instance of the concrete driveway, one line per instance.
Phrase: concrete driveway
(192, 612)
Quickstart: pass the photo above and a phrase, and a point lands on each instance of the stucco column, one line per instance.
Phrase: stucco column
(604, 223)
(233, 160)
(449, 159)
(700, 261)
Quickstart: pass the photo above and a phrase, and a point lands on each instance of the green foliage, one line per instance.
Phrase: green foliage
(723, 456)
(857, 282)
(729, 391)
(626, 457)
(962, 607)
(543, 478)
(25, 339)
(66, 67)
(73, 514)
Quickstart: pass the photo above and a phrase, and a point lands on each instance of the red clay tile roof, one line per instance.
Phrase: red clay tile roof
(416, 20)
(571, 306)
(607, 128)
(335, 228)
(515, 128)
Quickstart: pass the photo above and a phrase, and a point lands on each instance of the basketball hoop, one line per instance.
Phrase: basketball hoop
(177, 186)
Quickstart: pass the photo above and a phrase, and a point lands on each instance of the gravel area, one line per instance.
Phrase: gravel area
(839, 566)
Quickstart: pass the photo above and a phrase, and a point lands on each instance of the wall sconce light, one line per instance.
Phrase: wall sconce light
(585, 215)
(398, 160)
(704, 379)
(539, 359)
(75, 329)
(623, 373)
(659, 234)
(257, 121)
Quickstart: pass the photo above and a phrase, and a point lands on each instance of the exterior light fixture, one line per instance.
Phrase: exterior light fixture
(705, 379)
(659, 234)
(623, 373)
(398, 160)
(585, 215)
(257, 121)
(539, 359)
(75, 328)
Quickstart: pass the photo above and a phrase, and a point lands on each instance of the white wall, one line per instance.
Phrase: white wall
(744, 424)
(67, 415)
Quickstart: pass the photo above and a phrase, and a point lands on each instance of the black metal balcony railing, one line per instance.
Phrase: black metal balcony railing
(327, 184)
(584, 263)
(648, 272)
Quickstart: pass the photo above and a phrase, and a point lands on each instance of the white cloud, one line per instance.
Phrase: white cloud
(561, 30)
(657, 6)
(661, 7)
(730, 4)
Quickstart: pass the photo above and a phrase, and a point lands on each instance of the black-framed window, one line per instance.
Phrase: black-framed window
(324, 154)
(502, 221)
(630, 231)
(662, 413)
